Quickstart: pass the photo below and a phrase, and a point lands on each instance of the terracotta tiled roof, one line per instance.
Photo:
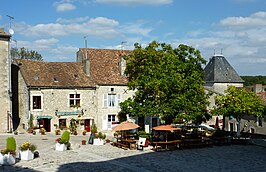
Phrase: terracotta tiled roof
(105, 65)
(53, 74)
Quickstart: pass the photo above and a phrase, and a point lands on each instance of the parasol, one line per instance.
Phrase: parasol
(166, 128)
(125, 126)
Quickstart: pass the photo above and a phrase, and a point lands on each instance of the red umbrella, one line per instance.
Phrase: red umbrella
(125, 126)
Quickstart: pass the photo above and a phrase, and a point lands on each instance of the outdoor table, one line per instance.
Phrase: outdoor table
(158, 144)
(131, 143)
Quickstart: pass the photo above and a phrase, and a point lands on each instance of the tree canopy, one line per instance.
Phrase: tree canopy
(168, 83)
(24, 53)
(252, 80)
(238, 102)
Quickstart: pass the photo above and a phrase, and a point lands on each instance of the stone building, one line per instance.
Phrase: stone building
(5, 83)
(251, 124)
(106, 68)
(219, 74)
(55, 94)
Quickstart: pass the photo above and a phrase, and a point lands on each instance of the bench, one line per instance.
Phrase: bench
(158, 146)
(120, 145)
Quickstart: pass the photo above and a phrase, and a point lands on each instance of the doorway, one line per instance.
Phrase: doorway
(87, 125)
(45, 123)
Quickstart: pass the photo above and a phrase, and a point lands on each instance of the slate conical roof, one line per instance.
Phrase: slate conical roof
(218, 70)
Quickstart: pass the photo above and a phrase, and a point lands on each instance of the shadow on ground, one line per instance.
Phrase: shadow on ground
(235, 158)
(248, 158)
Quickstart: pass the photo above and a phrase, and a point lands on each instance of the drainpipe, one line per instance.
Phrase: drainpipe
(10, 87)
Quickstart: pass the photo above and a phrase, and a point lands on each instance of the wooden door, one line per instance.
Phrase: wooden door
(87, 125)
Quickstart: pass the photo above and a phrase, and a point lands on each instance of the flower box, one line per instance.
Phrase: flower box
(26, 155)
(98, 141)
(7, 159)
(60, 147)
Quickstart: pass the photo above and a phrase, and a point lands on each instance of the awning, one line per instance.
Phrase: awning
(69, 113)
(46, 117)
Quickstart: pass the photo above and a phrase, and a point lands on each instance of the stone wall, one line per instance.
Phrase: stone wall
(4, 84)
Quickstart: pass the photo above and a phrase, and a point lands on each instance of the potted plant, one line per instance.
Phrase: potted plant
(42, 131)
(27, 151)
(7, 155)
(63, 143)
(84, 132)
(83, 142)
(57, 130)
(99, 139)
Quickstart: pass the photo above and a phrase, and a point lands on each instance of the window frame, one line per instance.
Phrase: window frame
(41, 102)
(260, 122)
(74, 99)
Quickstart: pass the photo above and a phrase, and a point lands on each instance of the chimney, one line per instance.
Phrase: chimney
(82, 56)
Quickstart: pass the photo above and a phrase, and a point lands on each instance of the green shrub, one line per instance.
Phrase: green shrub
(101, 135)
(94, 128)
(11, 144)
(65, 137)
(27, 146)
(143, 134)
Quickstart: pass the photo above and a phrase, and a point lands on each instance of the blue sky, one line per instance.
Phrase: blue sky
(57, 29)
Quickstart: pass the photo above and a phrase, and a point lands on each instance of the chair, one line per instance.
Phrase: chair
(141, 143)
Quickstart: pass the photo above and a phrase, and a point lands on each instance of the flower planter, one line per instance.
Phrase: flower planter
(26, 155)
(60, 147)
(83, 142)
(98, 142)
(7, 159)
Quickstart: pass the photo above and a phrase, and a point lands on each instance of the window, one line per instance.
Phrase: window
(74, 100)
(112, 100)
(37, 102)
(252, 130)
(62, 123)
(231, 126)
(111, 118)
(259, 122)
(111, 121)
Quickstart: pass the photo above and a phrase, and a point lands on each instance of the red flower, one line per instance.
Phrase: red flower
(57, 140)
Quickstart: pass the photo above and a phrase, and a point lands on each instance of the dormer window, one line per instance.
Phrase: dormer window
(55, 79)
(76, 76)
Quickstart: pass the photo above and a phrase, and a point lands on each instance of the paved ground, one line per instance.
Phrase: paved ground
(245, 158)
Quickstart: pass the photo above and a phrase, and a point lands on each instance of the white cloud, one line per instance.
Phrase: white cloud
(137, 28)
(256, 19)
(241, 39)
(99, 27)
(50, 41)
(64, 6)
(75, 20)
(135, 2)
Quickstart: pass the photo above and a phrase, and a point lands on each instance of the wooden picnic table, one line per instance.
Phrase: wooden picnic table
(158, 145)
(125, 143)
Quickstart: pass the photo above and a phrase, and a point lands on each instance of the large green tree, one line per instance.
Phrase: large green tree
(239, 102)
(168, 83)
(24, 53)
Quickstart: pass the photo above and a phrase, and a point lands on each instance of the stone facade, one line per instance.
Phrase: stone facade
(219, 74)
(5, 85)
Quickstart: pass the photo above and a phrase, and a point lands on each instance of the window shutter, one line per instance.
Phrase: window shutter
(118, 99)
(105, 100)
